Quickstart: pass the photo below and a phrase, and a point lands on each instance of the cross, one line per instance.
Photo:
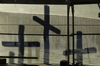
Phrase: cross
(21, 44)
(79, 51)
(47, 27)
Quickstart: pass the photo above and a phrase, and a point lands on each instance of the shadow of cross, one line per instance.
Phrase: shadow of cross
(47, 27)
(21, 44)
(79, 51)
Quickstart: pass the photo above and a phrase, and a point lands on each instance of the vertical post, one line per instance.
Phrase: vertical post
(29, 52)
(11, 60)
(46, 35)
(79, 47)
(21, 41)
(73, 30)
(68, 8)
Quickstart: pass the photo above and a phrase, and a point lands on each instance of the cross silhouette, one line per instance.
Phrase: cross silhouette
(79, 51)
(21, 44)
(47, 27)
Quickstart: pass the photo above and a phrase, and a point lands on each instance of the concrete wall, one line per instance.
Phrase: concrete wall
(86, 21)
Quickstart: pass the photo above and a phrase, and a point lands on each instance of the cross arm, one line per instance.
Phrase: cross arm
(41, 22)
(16, 44)
(82, 51)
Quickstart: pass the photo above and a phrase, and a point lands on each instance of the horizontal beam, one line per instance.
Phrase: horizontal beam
(33, 1)
(50, 34)
(16, 44)
(84, 1)
(88, 34)
(62, 2)
(33, 34)
(18, 57)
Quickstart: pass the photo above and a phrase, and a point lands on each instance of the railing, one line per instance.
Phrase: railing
(65, 2)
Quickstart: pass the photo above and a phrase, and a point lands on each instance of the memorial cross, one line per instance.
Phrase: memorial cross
(79, 51)
(21, 44)
(47, 27)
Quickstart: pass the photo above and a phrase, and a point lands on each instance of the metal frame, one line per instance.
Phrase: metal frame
(69, 3)
(68, 10)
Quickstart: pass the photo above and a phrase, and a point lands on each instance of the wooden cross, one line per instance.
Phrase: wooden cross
(79, 51)
(21, 44)
(47, 27)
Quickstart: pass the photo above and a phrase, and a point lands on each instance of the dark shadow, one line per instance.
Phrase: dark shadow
(52, 28)
(99, 8)
(11, 60)
(26, 44)
(99, 15)
(16, 44)
(21, 44)
(79, 47)
(79, 51)
(34, 1)
(46, 37)
(29, 65)
(47, 27)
